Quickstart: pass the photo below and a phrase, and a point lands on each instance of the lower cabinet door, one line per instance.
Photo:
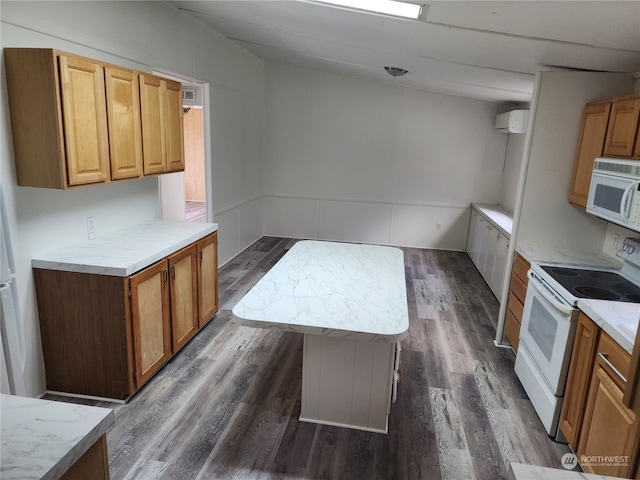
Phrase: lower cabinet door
(150, 318)
(207, 278)
(609, 433)
(184, 294)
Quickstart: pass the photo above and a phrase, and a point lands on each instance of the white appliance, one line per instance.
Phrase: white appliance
(514, 121)
(614, 193)
(12, 348)
(549, 323)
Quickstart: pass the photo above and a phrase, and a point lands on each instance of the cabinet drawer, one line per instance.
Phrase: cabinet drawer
(518, 287)
(515, 306)
(512, 329)
(520, 268)
(616, 356)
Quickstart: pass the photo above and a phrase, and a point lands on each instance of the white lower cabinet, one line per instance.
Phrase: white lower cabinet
(487, 247)
(348, 383)
(499, 265)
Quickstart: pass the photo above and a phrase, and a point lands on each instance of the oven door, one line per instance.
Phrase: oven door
(548, 329)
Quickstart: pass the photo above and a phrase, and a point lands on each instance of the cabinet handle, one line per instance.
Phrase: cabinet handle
(604, 358)
(165, 275)
(201, 255)
(173, 272)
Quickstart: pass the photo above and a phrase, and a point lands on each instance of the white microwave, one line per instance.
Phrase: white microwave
(614, 193)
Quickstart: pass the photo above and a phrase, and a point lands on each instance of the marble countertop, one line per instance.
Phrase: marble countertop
(497, 215)
(619, 319)
(520, 471)
(332, 289)
(41, 439)
(126, 251)
(538, 254)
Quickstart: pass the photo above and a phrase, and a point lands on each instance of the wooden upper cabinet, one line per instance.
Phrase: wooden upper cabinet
(162, 130)
(153, 134)
(77, 121)
(85, 120)
(125, 130)
(207, 278)
(174, 129)
(184, 294)
(595, 118)
(623, 127)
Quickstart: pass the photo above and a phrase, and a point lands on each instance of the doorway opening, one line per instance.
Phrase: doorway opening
(186, 195)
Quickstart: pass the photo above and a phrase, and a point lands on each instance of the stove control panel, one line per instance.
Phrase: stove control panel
(630, 250)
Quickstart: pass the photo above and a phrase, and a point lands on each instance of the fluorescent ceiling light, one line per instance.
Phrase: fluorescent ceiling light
(388, 7)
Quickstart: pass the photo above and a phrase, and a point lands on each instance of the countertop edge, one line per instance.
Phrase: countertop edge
(121, 270)
(81, 447)
(323, 331)
(521, 471)
(607, 326)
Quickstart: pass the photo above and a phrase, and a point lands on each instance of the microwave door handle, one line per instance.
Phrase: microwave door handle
(551, 297)
(626, 204)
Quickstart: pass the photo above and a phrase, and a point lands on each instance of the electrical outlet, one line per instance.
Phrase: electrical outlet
(438, 225)
(91, 230)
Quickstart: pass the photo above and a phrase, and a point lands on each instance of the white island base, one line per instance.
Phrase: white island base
(348, 383)
(350, 302)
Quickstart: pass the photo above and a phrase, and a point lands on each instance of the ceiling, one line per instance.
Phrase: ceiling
(484, 50)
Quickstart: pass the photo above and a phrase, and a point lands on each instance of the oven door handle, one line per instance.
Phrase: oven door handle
(547, 293)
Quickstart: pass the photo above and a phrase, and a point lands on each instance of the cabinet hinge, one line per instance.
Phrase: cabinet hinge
(130, 293)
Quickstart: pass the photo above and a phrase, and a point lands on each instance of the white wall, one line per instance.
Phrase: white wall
(353, 160)
(511, 175)
(546, 217)
(145, 36)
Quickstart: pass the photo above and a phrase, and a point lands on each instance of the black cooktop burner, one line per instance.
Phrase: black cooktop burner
(597, 284)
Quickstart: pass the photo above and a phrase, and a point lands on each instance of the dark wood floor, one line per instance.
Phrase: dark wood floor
(227, 406)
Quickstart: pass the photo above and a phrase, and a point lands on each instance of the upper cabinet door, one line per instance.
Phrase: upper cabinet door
(154, 152)
(174, 128)
(85, 120)
(623, 127)
(595, 117)
(125, 130)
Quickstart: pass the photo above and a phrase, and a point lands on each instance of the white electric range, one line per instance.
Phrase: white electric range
(549, 322)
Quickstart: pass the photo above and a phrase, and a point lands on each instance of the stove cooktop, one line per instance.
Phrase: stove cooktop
(596, 284)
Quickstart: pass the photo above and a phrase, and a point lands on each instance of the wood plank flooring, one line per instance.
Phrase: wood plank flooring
(227, 406)
(195, 211)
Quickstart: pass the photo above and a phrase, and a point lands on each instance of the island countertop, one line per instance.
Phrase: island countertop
(332, 289)
(126, 251)
(41, 439)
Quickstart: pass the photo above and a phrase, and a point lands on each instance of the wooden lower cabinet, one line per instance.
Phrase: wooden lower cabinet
(580, 370)
(602, 431)
(207, 252)
(105, 336)
(515, 300)
(609, 430)
(151, 320)
(184, 296)
(94, 464)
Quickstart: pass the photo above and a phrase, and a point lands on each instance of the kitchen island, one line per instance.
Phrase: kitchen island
(49, 440)
(350, 302)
